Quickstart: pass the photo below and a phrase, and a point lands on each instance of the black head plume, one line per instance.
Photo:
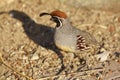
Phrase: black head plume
(42, 14)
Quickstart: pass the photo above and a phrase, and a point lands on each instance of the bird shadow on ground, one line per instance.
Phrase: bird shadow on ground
(40, 34)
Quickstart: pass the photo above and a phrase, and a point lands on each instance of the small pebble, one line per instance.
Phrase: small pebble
(35, 56)
(102, 56)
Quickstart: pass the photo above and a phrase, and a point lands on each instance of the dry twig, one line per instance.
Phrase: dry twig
(82, 73)
(87, 72)
(3, 62)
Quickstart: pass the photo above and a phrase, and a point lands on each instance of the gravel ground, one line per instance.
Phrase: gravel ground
(27, 49)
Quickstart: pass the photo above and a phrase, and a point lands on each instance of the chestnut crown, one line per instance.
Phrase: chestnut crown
(57, 13)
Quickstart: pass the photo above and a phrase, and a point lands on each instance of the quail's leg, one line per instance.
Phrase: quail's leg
(76, 63)
(71, 62)
(68, 58)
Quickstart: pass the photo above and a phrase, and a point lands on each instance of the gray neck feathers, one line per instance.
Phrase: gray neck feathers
(66, 27)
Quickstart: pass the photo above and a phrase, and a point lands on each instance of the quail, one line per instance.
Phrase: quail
(67, 37)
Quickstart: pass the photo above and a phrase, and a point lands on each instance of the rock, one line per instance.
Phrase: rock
(102, 56)
(35, 56)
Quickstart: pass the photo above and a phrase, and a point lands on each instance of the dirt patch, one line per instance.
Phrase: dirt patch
(26, 42)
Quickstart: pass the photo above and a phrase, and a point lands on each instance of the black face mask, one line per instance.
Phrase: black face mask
(57, 20)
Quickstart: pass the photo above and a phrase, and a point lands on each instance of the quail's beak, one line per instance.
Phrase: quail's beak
(52, 19)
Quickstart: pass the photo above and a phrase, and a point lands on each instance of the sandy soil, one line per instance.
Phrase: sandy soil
(26, 42)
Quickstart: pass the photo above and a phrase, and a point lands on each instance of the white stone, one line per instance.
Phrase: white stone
(102, 56)
(35, 56)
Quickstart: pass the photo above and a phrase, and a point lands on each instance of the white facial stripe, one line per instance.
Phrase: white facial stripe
(59, 20)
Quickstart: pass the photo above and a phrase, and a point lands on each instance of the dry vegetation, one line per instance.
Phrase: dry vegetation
(27, 50)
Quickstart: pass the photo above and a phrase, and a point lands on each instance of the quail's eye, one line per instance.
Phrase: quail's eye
(55, 19)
